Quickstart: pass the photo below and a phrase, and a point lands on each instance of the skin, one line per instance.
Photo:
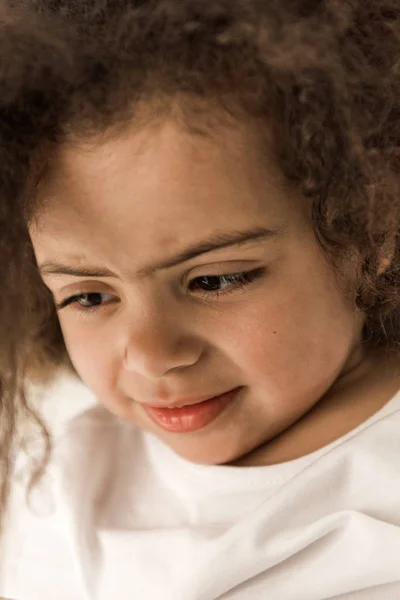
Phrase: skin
(291, 337)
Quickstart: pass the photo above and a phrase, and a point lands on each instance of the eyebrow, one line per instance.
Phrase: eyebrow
(216, 242)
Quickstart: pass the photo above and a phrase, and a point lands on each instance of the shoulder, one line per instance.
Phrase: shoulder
(36, 555)
(60, 400)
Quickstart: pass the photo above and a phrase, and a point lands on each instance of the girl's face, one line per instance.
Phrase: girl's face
(183, 268)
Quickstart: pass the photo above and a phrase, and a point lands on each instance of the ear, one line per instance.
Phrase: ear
(386, 254)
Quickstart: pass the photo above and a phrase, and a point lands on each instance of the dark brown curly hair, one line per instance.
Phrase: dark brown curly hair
(321, 76)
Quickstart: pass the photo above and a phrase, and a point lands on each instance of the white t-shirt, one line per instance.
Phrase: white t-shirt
(122, 517)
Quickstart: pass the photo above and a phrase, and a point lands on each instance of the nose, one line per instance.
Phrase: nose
(156, 346)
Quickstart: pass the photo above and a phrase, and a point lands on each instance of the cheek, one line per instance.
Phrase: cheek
(92, 355)
(293, 339)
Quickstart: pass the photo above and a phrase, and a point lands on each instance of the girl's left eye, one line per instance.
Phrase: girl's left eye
(224, 284)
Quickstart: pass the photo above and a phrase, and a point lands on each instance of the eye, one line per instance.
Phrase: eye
(87, 301)
(224, 284)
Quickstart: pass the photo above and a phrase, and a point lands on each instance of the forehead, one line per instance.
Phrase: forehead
(156, 189)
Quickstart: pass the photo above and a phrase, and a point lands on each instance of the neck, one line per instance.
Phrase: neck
(368, 382)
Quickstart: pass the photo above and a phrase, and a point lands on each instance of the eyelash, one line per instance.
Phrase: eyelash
(235, 281)
(71, 300)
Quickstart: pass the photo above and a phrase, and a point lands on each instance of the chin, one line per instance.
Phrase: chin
(206, 454)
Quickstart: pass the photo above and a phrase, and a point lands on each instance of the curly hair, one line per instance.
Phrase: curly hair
(321, 76)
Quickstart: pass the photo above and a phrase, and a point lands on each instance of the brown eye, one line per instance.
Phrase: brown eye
(224, 283)
(208, 283)
(88, 300)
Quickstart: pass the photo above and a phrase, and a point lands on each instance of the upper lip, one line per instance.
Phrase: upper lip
(185, 401)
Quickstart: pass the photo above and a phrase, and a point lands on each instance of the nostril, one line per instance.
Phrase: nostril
(155, 362)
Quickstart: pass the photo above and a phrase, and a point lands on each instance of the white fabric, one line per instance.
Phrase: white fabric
(129, 519)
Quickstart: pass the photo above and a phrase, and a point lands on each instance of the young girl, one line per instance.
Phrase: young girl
(204, 199)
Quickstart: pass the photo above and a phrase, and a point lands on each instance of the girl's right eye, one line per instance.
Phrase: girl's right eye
(87, 301)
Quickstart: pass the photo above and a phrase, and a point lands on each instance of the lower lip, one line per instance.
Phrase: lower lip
(190, 418)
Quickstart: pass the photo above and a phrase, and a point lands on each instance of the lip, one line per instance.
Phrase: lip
(184, 402)
(190, 417)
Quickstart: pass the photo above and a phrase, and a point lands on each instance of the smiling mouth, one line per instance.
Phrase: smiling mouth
(191, 417)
